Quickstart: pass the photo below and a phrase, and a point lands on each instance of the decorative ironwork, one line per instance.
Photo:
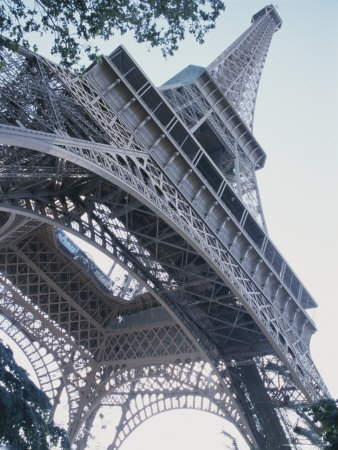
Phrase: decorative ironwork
(204, 303)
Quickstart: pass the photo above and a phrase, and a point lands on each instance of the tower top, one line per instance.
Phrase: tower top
(237, 70)
(270, 9)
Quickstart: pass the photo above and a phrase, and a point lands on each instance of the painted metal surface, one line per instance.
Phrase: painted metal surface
(162, 181)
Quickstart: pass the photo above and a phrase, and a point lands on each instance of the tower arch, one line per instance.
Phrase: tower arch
(175, 203)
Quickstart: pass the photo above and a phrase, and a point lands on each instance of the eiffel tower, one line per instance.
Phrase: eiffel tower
(199, 309)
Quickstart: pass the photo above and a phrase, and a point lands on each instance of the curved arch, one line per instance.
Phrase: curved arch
(14, 225)
(142, 392)
(161, 406)
(6, 223)
(78, 383)
(184, 221)
(143, 177)
(105, 165)
(176, 212)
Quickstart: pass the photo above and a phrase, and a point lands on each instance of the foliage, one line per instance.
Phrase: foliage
(325, 412)
(158, 22)
(26, 421)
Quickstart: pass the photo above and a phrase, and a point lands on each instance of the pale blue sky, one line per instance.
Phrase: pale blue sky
(295, 122)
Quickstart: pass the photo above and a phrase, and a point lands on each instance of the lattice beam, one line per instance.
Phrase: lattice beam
(238, 69)
(104, 157)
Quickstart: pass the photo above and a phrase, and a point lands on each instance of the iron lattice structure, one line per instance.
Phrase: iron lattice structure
(206, 313)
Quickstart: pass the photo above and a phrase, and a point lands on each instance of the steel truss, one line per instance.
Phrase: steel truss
(196, 112)
(238, 69)
(104, 157)
(60, 338)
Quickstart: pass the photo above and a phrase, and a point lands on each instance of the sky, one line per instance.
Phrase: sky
(295, 122)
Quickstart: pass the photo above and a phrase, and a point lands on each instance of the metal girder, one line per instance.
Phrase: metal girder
(66, 309)
(92, 335)
(212, 132)
(142, 392)
(105, 157)
(42, 206)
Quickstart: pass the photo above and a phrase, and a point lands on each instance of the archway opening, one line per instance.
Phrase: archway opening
(181, 429)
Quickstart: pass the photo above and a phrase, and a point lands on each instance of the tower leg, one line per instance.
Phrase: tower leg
(270, 434)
